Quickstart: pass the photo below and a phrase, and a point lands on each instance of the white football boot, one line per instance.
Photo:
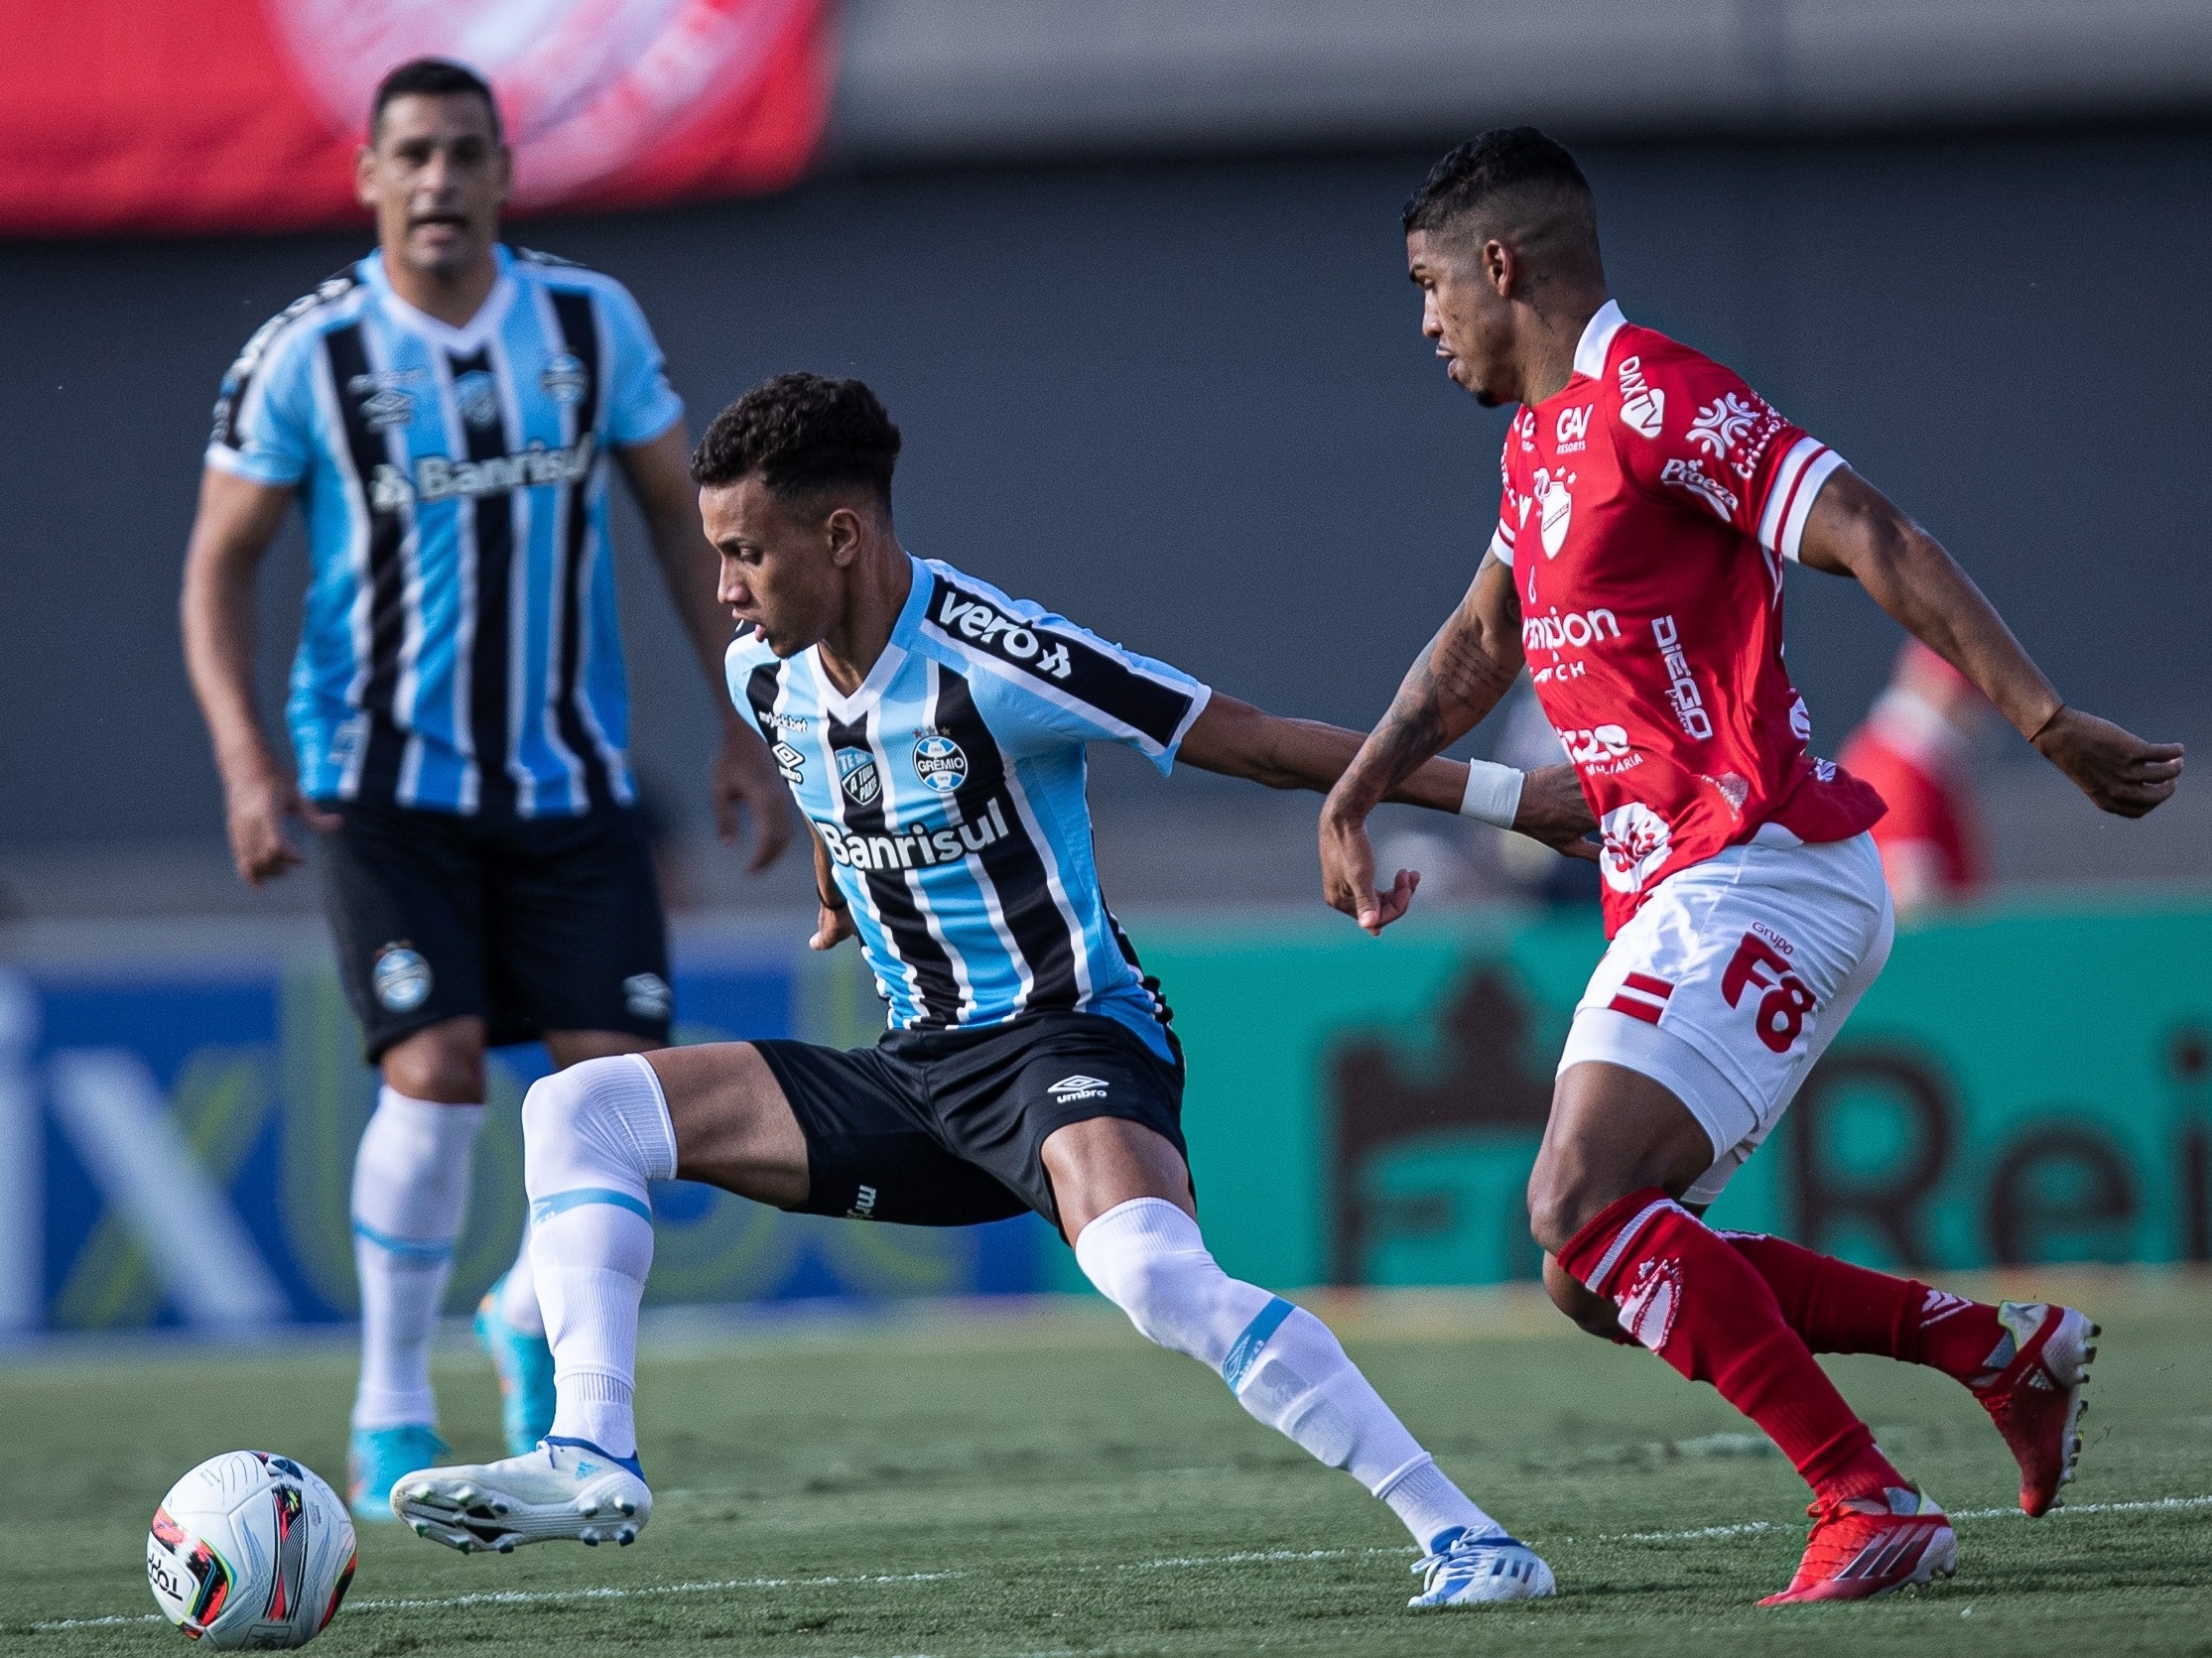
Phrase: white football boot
(566, 1491)
(1467, 1571)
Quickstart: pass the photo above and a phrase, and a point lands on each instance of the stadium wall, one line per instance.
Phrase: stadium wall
(178, 1109)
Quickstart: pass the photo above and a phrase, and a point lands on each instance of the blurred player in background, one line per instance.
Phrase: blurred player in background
(1916, 751)
(1651, 501)
(443, 411)
(933, 730)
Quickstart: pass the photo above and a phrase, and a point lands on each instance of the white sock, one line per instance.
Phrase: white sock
(410, 1182)
(1283, 1364)
(518, 1292)
(592, 1135)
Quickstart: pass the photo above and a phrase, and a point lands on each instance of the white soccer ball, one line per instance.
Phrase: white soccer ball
(250, 1550)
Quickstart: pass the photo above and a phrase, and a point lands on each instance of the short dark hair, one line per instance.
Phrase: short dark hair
(1505, 161)
(802, 434)
(433, 78)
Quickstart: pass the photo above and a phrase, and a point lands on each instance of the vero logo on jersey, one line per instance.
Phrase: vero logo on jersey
(857, 776)
(971, 618)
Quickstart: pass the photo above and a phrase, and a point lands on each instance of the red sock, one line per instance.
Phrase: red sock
(1836, 1307)
(1698, 1303)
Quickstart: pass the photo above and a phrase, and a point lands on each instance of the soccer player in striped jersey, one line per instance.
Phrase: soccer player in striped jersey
(933, 730)
(443, 411)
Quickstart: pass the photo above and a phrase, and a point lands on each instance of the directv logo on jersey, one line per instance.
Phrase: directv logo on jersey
(939, 762)
(857, 776)
(1643, 405)
(438, 479)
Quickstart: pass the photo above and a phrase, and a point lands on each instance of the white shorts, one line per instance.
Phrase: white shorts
(1731, 981)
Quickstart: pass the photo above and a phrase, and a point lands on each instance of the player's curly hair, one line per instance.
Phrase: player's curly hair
(1505, 161)
(802, 434)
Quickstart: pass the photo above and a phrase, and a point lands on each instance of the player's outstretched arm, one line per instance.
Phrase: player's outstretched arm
(744, 772)
(1239, 740)
(236, 520)
(1854, 530)
(1468, 666)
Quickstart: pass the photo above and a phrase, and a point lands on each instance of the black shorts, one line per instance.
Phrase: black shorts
(532, 925)
(947, 1128)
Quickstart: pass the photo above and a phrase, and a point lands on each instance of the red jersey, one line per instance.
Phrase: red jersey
(1648, 508)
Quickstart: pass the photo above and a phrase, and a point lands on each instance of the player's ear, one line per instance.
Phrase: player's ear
(842, 529)
(364, 176)
(1500, 267)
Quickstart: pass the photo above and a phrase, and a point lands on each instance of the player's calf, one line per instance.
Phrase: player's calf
(1288, 1370)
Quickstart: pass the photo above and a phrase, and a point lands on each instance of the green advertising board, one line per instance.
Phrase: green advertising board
(2021, 1084)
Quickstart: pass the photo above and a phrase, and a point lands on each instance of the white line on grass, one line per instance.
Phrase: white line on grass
(1168, 1563)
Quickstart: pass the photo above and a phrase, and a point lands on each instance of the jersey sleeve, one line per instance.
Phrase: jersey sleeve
(264, 428)
(1696, 434)
(641, 404)
(1068, 682)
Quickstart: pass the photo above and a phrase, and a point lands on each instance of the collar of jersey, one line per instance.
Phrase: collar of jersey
(463, 341)
(848, 709)
(1597, 340)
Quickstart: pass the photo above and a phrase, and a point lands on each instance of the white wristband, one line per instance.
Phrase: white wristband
(1492, 792)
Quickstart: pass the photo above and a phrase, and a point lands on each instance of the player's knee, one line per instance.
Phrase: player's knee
(1556, 1208)
(434, 1065)
(1590, 1313)
(572, 1117)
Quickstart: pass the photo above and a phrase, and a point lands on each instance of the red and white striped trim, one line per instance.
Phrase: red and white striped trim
(1642, 996)
(1501, 544)
(1789, 498)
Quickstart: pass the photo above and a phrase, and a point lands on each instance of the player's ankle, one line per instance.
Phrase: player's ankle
(1961, 1338)
(1866, 1473)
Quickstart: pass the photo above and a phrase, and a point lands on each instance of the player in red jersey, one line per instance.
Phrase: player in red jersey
(1912, 747)
(1651, 503)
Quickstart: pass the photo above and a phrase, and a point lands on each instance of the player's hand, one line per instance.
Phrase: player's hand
(255, 810)
(831, 928)
(2114, 767)
(744, 775)
(1348, 875)
(1553, 810)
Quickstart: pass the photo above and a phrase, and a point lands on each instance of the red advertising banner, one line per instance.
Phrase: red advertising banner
(135, 116)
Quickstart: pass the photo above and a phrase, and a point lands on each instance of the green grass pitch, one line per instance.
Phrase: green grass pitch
(1040, 1482)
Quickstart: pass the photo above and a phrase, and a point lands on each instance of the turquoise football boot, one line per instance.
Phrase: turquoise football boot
(525, 1366)
(377, 1456)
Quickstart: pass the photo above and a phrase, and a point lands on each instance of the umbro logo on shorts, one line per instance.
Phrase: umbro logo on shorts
(1077, 1087)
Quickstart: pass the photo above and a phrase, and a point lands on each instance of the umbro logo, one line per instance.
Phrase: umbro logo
(1077, 1087)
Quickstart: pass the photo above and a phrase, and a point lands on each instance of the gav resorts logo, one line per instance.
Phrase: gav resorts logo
(857, 776)
(939, 762)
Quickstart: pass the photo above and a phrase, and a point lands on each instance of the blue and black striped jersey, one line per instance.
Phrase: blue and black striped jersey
(949, 789)
(461, 649)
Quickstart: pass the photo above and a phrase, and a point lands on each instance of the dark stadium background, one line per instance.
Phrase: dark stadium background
(1186, 400)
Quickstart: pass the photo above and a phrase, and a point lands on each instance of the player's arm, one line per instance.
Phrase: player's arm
(1239, 740)
(833, 923)
(1854, 530)
(237, 521)
(744, 772)
(1467, 668)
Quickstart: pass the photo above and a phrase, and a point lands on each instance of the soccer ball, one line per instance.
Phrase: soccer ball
(250, 1550)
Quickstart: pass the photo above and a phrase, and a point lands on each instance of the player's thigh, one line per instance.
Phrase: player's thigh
(1087, 1088)
(566, 1048)
(732, 1125)
(870, 1150)
(402, 893)
(576, 938)
(1613, 1130)
(1725, 988)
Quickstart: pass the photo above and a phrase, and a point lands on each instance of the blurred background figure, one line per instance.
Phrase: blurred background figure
(1916, 746)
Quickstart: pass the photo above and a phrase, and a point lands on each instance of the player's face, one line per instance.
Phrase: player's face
(782, 568)
(1463, 312)
(436, 179)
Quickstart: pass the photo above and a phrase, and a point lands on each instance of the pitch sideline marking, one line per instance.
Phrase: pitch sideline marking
(526, 1598)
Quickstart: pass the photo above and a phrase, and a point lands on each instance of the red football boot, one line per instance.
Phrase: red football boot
(2033, 1392)
(1865, 1545)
